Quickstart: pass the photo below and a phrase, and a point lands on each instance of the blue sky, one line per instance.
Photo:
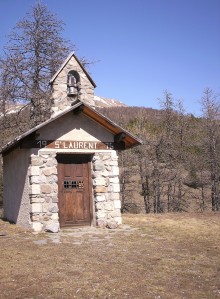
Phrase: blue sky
(143, 47)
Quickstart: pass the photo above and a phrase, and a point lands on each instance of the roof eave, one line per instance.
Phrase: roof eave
(89, 112)
(135, 141)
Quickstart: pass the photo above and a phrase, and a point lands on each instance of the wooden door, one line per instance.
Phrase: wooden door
(74, 190)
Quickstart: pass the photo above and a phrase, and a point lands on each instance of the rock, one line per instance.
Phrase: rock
(54, 199)
(37, 179)
(118, 220)
(99, 181)
(100, 189)
(37, 226)
(101, 223)
(36, 207)
(45, 217)
(49, 171)
(100, 198)
(34, 170)
(115, 170)
(35, 217)
(52, 228)
(51, 162)
(46, 189)
(37, 199)
(35, 189)
(115, 188)
(99, 205)
(99, 166)
(109, 206)
(52, 179)
(116, 213)
(106, 157)
(36, 161)
(101, 214)
(53, 209)
(112, 224)
(117, 204)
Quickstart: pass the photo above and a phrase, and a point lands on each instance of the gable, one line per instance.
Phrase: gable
(75, 128)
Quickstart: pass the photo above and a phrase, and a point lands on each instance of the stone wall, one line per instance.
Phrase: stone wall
(43, 182)
(44, 192)
(105, 176)
(59, 88)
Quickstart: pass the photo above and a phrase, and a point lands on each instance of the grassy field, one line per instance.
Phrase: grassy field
(152, 256)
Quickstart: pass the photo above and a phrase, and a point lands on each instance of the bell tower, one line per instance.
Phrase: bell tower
(70, 84)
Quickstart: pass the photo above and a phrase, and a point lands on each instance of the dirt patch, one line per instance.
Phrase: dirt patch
(152, 256)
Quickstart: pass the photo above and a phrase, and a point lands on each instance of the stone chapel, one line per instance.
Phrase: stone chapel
(64, 172)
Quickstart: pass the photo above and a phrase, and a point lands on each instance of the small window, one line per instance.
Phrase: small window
(73, 184)
(66, 184)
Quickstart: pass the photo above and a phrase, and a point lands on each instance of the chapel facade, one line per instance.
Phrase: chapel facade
(64, 172)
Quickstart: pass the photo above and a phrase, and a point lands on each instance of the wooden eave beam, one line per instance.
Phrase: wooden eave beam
(127, 139)
(101, 121)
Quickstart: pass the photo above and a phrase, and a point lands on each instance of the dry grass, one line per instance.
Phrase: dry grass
(160, 256)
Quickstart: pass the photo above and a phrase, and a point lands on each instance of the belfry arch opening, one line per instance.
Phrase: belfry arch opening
(73, 83)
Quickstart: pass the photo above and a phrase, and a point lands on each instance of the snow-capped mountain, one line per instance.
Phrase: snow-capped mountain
(100, 102)
(105, 102)
(12, 108)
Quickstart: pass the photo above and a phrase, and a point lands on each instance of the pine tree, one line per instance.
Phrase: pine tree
(33, 53)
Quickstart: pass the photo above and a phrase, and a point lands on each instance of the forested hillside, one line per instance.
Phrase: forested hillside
(177, 167)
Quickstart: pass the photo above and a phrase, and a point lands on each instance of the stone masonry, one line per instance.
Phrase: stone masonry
(105, 175)
(44, 190)
(61, 100)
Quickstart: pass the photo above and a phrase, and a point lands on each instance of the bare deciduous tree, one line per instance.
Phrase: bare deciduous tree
(211, 142)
